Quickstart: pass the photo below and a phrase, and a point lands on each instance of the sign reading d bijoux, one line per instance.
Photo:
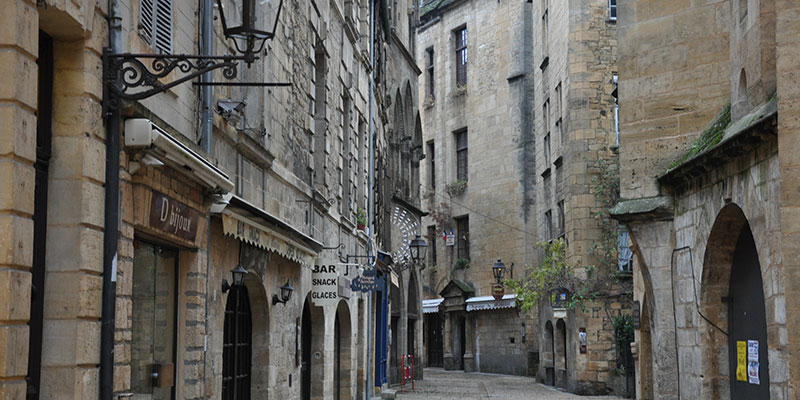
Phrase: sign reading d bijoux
(324, 282)
(172, 216)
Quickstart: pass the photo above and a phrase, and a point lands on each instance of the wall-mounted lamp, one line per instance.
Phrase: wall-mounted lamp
(286, 293)
(499, 271)
(238, 274)
(418, 248)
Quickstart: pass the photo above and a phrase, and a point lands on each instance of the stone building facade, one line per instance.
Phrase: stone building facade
(537, 103)
(708, 105)
(274, 187)
(575, 48)
(477, 181)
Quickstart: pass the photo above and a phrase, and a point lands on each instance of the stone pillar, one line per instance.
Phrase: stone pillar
(469, 347)
(18, 40)
(449, 362)
(653, 245)
(788, 43)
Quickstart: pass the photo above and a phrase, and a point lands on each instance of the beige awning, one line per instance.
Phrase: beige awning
(250, 231)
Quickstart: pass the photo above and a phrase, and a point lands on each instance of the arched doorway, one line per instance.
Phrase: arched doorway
(732, 298)
(237, 345)
(342, 361)
(549, 355)
(560, 353)
(747, 323)
(313, 355)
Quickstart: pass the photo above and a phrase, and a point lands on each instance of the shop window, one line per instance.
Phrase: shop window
(153, 321)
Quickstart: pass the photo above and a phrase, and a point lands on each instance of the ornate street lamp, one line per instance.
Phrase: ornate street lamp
(286, 293)
(418, 248)
(237, 274)
(250, 28)
(498, 270)
(124, 73)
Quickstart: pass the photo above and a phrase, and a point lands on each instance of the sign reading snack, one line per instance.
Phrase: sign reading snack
(171, 216)
(324, 284)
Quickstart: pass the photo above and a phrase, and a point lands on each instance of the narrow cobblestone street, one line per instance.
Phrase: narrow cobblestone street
(441, 385)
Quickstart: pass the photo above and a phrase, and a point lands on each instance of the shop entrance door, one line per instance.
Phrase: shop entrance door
(154, 322)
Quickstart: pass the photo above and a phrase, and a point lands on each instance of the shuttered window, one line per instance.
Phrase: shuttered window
(155, 24)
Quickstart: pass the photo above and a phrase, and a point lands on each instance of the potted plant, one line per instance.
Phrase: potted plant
(361, 219)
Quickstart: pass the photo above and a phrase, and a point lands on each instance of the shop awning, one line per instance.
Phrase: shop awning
(252, 226)
(431, 306)
(484, 303)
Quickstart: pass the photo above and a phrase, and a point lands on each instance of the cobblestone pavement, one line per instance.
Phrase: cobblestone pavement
(441, 385)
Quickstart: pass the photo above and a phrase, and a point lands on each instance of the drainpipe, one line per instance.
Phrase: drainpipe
(206, 94)
(111, 221)
(370, 191)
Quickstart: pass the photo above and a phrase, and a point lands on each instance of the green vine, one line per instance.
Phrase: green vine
(605, 186)
(554, 273)
(461, 263)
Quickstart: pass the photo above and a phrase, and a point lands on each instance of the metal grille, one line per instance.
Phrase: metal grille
(237, 346)
(461, 56)
(461, 155)
(155, 24)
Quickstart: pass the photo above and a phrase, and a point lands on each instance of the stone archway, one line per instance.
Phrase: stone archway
(259, 308)
(732, 299)
(560, 353)
(342, 353)
(313, 351)
(549, 354)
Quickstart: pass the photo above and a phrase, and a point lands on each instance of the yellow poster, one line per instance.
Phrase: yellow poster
(741, 360)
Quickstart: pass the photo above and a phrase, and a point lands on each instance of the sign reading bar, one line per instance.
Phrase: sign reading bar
(324, 284)
(171, 216)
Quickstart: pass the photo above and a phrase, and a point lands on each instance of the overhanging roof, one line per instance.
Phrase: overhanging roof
(431, 306)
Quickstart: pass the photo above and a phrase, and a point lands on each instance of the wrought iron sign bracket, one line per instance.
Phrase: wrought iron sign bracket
(128, 71)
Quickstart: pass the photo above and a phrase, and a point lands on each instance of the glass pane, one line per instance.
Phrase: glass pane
(164, 341)
(143, 308)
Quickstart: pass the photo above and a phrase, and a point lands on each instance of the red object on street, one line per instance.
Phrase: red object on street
(407, 371)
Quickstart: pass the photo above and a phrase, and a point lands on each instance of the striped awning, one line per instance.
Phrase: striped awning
(431, 306)
(484, 303)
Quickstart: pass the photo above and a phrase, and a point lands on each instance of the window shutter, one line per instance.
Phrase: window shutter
(155, 24)
(146, 20)
(163, 26)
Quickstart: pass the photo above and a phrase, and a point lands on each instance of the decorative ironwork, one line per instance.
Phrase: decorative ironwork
(126, 72)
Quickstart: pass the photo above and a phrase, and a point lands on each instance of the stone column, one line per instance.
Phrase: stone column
(653, 245)
(788, 43)
(449, 363)
(469, 347)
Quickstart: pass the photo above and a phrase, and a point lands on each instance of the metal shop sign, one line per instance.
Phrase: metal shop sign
(324, 284)
(366, 282)
(171, 216)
